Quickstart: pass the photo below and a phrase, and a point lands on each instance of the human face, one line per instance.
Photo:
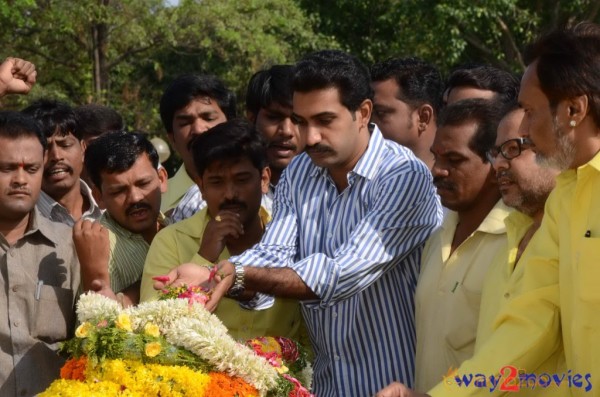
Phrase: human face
(460, 93)
(21, 169)
(196, 117)
(460, 175)
(132, 197)
(283, 137)
(335, 136)
(64, 164)
(554, 145)
(523, 183)
(234, 185)
(396, 119)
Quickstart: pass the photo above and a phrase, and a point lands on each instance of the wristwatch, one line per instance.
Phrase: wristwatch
(237, 288)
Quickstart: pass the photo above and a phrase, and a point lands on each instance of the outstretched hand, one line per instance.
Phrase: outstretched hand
(17, 76)
(191, 274)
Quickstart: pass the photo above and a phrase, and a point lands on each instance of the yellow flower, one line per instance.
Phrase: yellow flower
(152, 349)
(83, 330)
(282, 370)
(151, 330)
(123, 322)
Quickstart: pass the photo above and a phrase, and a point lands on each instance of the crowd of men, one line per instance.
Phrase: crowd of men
(409, 231)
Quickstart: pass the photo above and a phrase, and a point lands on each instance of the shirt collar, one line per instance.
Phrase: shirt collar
(42, 225)
(368, 163)
(493, 223)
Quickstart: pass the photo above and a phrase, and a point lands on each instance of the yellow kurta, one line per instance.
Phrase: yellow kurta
(560, 286)
(177, 186)
(179, 243)
(449, 292)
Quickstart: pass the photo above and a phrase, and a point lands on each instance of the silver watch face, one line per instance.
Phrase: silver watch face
(235, 290)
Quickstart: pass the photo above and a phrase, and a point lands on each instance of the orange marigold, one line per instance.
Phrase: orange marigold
(74, 369)
(222, 385)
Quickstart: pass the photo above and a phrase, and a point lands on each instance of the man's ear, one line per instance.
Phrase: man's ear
(171, 138)
(97, 194)
(574, 109)
(251, 116)
(425, 117)
(163, 177)
(265, 179)
(364, 113)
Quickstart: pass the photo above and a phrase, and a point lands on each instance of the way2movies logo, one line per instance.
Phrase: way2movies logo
(512, 379)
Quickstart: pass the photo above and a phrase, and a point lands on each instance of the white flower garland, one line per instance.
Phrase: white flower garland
(191, 327)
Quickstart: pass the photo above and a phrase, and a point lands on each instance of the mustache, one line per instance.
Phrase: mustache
(137, 206)
(319, 148)
(19, 190)
(505, 174)
(442, 183)
(232, 203)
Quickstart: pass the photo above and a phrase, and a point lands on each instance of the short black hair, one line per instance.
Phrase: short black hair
(14, 125)
(420, 82)
(268, 86)
(54, 117)
(186, 88)
(229, 141)
(567, 64)
(95, 120)
(486, 77)
(486, 114)
(332, 68)
(116, 152)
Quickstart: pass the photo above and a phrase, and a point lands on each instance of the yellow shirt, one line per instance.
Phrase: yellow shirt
(176, 188)
(179, 243)
(449, 291)
(560, 286)
(498, 286)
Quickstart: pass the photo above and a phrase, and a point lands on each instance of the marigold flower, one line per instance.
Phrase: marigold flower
(152, 330)
(83, 330)
(282, 370)
(123, 322)
(152, 349)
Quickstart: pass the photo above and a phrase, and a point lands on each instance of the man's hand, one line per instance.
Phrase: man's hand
(192, 274)
(225, 225)
(17, 76)
(397, 389)
(93, 250)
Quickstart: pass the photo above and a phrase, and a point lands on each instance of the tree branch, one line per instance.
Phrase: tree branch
(517, 54)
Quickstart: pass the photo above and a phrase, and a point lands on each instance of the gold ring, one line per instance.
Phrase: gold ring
(218, 218)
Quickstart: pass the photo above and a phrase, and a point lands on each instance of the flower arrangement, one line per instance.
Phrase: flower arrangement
(173, 347)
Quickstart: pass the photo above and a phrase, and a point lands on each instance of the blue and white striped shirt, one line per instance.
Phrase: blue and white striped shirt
(359, 251)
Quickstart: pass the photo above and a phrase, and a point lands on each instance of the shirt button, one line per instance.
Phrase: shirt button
(334, 314)
(11, 252)
(329, 235)
(506, 295)
(16, 323)
(336, 358)
(15, 288)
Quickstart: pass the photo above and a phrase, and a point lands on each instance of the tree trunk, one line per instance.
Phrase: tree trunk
(99, 49)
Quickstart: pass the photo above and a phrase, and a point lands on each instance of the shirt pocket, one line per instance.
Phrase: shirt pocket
(588, 269)
(462, 324)
(54, 314)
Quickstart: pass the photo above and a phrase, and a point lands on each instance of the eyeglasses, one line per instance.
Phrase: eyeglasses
(509, 149)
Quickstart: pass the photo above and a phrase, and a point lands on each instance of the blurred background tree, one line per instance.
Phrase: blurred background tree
(123, 53)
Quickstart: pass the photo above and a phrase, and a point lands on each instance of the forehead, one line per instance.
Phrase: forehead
(201, 104)
(62, 137)
(21, 149)
(141, 168)
(227, 167)
(451, 138)
(509, 126)
(465, 92)
(311, 103)
(530, 91)
(385, 89)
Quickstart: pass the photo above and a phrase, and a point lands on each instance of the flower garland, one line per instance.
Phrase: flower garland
(172, 347)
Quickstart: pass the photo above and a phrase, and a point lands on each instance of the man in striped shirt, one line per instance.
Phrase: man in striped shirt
(350, 218)
(128, 182)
